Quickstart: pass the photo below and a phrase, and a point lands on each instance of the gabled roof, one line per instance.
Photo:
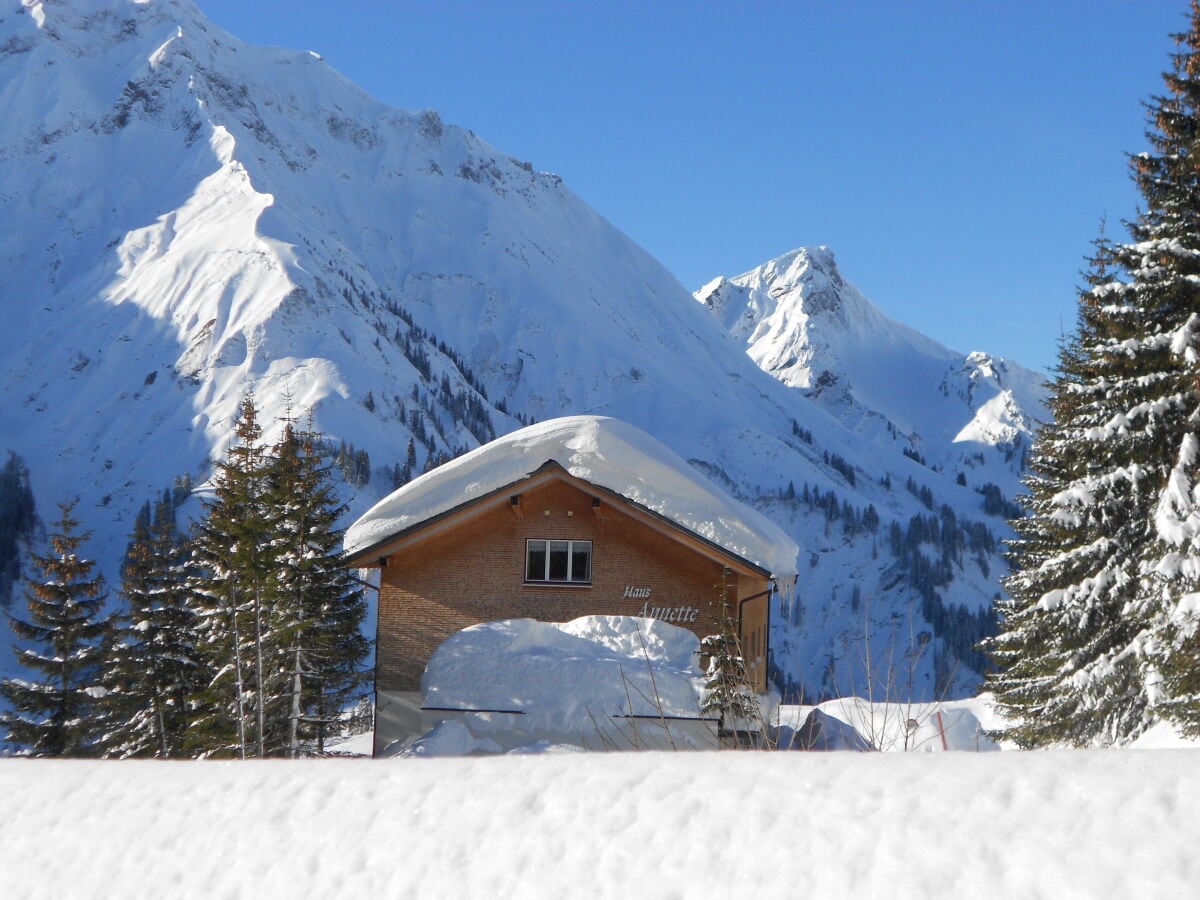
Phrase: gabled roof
(509, 494)
(603, 452)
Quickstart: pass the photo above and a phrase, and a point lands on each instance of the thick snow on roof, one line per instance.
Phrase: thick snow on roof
(606, 452)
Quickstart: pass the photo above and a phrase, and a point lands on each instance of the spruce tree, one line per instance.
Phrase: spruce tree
(727, 691)
(1112, 544)
(728, 694)
(1066, 674)
(1165, 260)
(230, 579)
(319, 608)
(18, 521)
(64, 639)
(153, 666)
(280, 617)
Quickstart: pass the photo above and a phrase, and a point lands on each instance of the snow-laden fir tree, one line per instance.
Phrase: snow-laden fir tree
(1166, 263)
(153, 666)
(280, 617)
(231, 566)
(62, 644)
(317, 603)
(728, 694)
(1107, 564)
(1069, 672)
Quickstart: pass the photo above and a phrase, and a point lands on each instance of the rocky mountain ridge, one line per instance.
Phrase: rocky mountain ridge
(803, 323)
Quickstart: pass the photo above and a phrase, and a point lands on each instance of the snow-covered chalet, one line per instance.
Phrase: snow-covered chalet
(576, 516)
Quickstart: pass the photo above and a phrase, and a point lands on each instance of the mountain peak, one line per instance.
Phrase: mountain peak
(789, 290)
(802, 260)
(802, 322)
(812, 266)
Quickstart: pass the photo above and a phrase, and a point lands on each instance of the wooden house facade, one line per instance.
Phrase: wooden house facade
(551, 546)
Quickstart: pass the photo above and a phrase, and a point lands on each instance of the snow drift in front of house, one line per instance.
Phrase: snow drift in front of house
(601, 663)
(604, 451)
(600, 682)
(621, 682)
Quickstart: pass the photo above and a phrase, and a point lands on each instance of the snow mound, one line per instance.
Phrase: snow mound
(601, 682)
(853, 723)
(1163, 735)
(822, 733)
(451, 738)
(604, 451)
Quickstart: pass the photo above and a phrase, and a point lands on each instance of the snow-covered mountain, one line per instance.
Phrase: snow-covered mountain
(802, 322)
(187, 218)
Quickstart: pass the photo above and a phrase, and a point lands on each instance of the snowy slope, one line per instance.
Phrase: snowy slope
(187, 218)
(954, 825)
(207, 218)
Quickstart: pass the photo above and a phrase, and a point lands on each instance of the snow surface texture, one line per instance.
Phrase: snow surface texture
(200, 218)
(597, 682)
(602, 451)
(1000, 825)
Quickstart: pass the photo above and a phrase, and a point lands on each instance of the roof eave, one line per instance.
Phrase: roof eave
(371, 556)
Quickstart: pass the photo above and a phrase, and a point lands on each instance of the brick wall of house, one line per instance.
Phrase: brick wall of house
(474, 572)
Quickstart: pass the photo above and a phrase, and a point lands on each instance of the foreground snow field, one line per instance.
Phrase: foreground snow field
(1066, 824)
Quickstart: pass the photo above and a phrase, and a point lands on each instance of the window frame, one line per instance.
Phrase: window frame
(572, 545)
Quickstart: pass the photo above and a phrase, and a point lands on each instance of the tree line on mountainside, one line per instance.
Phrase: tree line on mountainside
(241, 639)
(18, 522)
(927, 552)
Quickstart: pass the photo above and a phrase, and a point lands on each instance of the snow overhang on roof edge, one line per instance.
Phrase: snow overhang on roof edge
(604, 452)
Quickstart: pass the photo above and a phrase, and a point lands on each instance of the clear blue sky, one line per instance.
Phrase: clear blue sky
(957, 156)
